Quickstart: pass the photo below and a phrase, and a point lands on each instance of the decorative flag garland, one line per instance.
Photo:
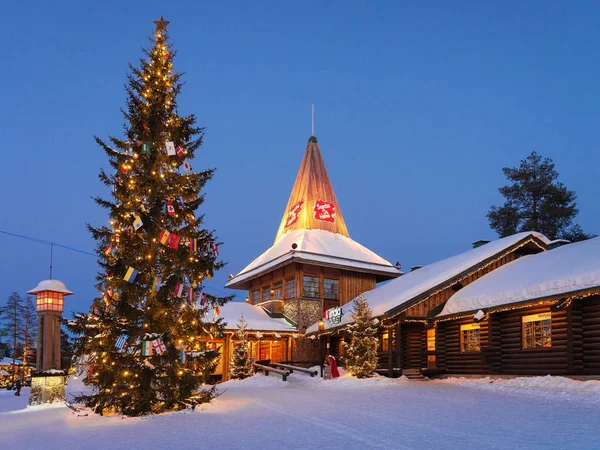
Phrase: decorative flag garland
(121, 341)
(156, 284)
(170, 209)
(159, 346)
(130, 275)
(146, 348)
(170, 148)
(178, 290)
(137, 223)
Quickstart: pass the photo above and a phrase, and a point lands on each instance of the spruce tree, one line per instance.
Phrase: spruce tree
(241, 364)
(145, 335)
(12, 315)
(536, 201)
(29, 329)
(361, 355)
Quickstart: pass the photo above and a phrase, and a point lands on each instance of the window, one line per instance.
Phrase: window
(266, 294)
(310, 287)
(278, 288)
(385, 341)
(290, 288)
(256, 296)
(330, 289)
(537, 331)
(469, 338)
(431, 340)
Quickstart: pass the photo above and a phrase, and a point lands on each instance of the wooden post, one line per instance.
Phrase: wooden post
(390, 352)
(399, 346)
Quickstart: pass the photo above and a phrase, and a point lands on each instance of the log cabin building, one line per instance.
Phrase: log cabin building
(313, 265)
(539, 315)
(405, 306)
(269, 338)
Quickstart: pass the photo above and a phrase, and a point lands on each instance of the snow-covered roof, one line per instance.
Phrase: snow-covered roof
(316, 246)
(563, 270)
(401, 290)
(256, 318)
(50, 285)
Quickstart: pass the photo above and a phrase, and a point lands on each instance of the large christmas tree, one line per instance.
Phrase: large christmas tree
(145, 335)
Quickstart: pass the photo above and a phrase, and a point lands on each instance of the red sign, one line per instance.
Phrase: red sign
(293, 214)
(324, 211)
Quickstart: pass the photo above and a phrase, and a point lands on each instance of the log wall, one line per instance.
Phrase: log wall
(448, 354)
(591, 335)
(575, 349)
(543, 361)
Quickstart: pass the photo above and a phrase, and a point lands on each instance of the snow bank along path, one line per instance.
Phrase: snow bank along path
(266, 413)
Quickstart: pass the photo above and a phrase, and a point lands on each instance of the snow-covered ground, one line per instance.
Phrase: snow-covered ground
(264, 413)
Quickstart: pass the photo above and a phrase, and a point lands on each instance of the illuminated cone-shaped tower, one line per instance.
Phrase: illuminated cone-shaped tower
(313, 266)
(48, 384)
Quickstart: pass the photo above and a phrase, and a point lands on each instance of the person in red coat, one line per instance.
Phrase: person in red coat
(334, 370)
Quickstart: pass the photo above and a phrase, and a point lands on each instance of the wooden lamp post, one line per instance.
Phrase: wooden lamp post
(47, 384)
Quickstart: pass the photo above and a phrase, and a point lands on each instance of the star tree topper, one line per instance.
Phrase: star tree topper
(161, 24)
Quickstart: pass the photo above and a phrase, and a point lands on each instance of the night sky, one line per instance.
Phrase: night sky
(417, 110)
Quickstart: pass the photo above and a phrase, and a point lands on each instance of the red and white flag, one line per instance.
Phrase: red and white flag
(190, 295)
(178, 290)
(170, 209)
(179, 151)
(159, 346)
(215, 249)
(187, 167)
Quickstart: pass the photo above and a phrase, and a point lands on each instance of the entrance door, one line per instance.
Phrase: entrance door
(413, 337)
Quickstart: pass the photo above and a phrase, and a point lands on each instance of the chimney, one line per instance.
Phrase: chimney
(479, 243)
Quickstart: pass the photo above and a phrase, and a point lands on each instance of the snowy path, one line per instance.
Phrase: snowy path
(263, 412)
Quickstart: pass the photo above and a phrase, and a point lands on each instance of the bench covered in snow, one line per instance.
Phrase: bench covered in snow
(312, 373)
(266, 369)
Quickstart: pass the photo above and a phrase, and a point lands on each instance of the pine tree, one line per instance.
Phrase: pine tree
(146, 343)
(361, 355)
(29, 329)
(12, 315)
(241, 364)
(536, 201)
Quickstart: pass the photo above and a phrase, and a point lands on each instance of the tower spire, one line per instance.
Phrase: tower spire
(313, 119)
(312, 204)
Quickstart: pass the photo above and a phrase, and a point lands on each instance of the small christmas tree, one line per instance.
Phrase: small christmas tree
(145, 338)
(241, 364)
(361, 359)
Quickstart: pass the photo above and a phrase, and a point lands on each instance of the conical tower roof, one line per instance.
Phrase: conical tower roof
(312, 204)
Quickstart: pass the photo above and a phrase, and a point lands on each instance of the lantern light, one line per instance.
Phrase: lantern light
(50, 295)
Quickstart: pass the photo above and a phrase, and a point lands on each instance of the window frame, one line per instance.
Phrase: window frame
(266, 293)
(535, 319)
(337, 288)
(288, 283)
(466, 333)
(317, 284)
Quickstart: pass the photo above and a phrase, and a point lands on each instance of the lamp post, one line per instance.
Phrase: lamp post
(47, 384)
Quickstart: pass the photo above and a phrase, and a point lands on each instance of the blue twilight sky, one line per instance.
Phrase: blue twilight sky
(418, 109)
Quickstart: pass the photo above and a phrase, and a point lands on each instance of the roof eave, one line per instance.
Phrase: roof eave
(382, 275)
